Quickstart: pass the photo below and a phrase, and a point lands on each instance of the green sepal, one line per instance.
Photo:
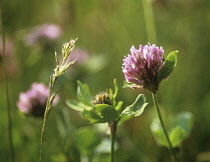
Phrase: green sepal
(100, 113)
(83, 93)
(137, 107)
(131, 85)
(169, 65)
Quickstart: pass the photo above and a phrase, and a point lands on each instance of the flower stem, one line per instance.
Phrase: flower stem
(113, 129)
(46, 113)
(173, 154)
(9, 115)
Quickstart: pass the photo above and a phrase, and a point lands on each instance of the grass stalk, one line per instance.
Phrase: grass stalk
(58, 71)
(149, 21)
(6, 87)
(47, 110)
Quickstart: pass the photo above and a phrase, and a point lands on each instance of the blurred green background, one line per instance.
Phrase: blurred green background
(107, 29)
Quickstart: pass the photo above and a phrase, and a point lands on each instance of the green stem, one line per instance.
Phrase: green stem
(173, 154)
(112, 147)
(9, 115)
(42, 134)
(149, 21)
(46, 113)
(113, 129)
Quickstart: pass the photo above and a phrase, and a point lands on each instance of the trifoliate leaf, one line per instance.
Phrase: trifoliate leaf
(176, 136)
(185, 121)
(158, 133)
(180, 129)
(100, 113)
(137, 107)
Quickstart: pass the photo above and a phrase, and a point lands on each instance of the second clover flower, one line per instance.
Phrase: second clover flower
(33, 101)
(141, 67)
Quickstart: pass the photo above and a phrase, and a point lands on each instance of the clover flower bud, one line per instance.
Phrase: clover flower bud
(102, 98)
(33, 102)
(141, 66)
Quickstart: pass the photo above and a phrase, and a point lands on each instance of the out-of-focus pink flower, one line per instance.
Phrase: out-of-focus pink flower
(9, 48)
(33, 101)
(11, 61)
(43, 34)
(80, 54)
(142, 65)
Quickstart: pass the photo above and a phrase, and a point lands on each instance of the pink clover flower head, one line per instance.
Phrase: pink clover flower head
(141, 66)
(43, 34)
(33, 101)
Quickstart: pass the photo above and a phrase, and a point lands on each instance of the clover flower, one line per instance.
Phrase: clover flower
(43, 34)
(141, 66)
(33, 101)
(102, 98)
